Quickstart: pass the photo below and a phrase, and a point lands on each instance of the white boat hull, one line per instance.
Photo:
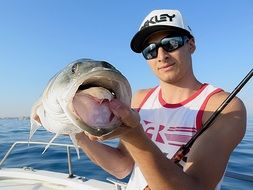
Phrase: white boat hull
(30, 179)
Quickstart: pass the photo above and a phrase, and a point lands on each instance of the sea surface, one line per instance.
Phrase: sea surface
(55, 158)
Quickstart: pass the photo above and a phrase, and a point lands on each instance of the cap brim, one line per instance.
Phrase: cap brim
(138, 41)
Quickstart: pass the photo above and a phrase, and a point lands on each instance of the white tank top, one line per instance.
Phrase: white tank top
(170, 126)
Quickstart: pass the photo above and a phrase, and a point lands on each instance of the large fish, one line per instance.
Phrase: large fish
(76, 99)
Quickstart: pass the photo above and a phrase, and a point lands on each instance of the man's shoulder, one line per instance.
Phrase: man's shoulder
(218, 98)
(234, 112)
(139, 96)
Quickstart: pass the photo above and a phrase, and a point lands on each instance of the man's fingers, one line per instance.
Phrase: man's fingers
(91, 137)
(114, 134)
(118, 108)
(127, 115)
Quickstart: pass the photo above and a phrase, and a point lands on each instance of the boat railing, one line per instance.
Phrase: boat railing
(119, 185)
(239, 176)
(67, 146)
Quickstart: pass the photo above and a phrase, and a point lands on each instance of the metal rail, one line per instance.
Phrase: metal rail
(238, 176)
(67, 146)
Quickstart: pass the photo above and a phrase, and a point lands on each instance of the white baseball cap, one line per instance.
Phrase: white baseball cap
(170, 21)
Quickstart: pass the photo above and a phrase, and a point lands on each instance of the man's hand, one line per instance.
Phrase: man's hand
(129, 117)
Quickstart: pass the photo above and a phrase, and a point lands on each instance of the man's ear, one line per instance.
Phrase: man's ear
(192, 45)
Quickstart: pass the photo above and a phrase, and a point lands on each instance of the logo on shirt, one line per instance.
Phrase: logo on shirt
(168, 135)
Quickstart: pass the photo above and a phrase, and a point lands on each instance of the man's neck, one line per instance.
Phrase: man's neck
(178, 92)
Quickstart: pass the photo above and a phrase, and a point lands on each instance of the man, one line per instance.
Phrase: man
(170, 114)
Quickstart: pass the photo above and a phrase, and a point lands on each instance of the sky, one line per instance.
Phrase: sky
(38, 38)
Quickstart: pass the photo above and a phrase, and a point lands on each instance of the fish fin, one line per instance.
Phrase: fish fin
(35, 121)
(34, 128)
(73, 139)
(50, 142)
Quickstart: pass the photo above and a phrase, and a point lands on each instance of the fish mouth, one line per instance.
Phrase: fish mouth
(112, 80)
(90, 103)
(90, 83)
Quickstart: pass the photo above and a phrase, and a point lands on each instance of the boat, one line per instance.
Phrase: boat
(16, 178)
(20, 178)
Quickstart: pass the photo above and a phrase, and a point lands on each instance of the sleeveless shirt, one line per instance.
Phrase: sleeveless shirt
(170, 126)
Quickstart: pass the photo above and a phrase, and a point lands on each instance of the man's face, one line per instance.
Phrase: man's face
(171, 66)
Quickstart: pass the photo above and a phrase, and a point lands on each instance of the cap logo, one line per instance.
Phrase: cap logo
(158, 19)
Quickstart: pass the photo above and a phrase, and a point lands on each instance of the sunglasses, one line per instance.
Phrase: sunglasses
(169, 44)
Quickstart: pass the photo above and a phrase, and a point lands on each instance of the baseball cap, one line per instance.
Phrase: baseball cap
(160, 20)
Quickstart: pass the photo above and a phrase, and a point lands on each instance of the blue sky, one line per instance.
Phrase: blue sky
(38, 38)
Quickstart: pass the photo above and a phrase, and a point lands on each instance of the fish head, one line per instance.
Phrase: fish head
(79, 94)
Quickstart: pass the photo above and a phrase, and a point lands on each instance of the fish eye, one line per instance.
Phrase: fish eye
(113, 93)
(74, 68)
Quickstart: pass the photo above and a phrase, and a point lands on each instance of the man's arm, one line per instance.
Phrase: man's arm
(210, 153)
(208, 156)
(115, 161)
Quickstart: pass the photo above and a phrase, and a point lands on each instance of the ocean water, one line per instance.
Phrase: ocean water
(55, 158)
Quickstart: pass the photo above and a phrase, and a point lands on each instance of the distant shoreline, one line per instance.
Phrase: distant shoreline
(17, 118)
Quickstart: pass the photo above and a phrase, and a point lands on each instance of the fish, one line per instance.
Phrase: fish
(76, 99)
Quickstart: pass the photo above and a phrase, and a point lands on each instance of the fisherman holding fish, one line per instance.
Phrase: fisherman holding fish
(165, 117)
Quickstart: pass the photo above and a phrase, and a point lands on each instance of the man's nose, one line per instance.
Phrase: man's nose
(162, 54)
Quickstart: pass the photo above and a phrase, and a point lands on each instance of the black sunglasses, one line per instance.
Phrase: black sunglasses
(169, 44)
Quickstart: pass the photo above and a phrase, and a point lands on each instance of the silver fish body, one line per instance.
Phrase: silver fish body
(55, 110)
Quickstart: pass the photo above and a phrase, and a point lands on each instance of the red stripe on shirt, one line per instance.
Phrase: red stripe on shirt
(178, 138)
(145, 98)
(202, 108)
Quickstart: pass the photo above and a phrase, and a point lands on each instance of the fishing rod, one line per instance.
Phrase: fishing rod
(184, 149)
